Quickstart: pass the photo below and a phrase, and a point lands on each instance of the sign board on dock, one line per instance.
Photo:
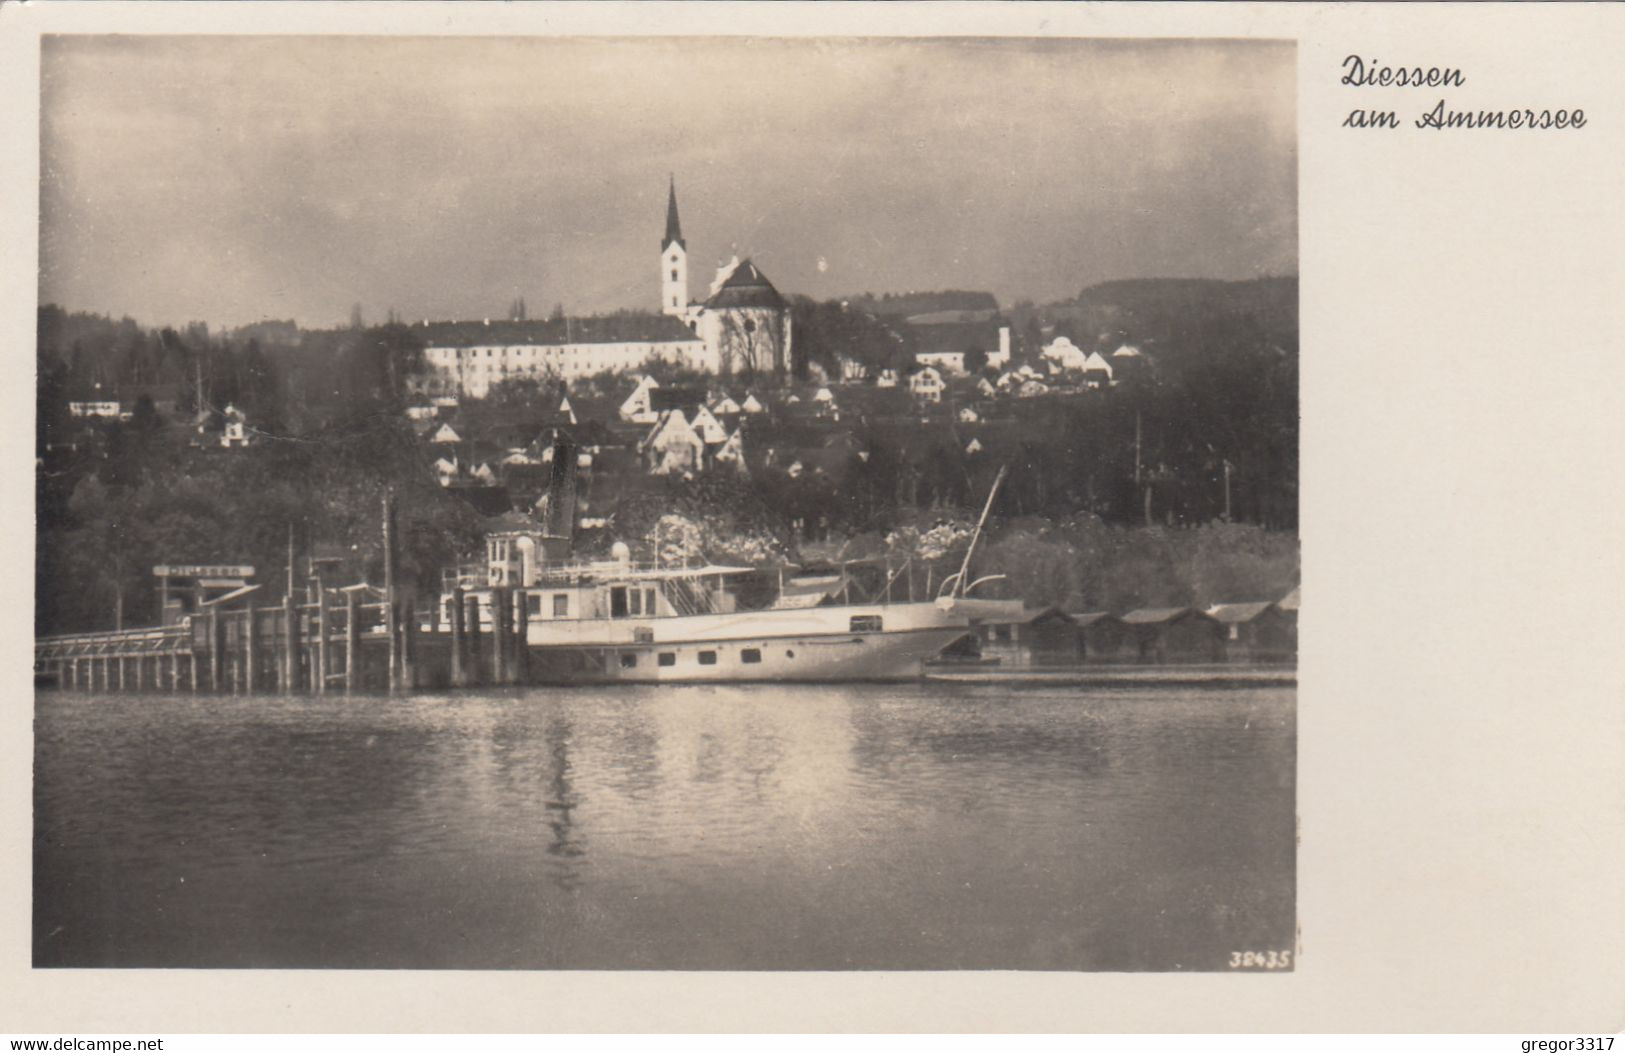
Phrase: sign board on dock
(203, 570)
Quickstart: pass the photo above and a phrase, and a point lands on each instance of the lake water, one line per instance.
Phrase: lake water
(750, 827)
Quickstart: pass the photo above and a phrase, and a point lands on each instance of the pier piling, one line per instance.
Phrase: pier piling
(499, 635)
(458, 672)
(521, 637)
(471, 637)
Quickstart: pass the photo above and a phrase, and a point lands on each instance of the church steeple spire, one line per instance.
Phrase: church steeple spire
(673, 261)
(674, 229)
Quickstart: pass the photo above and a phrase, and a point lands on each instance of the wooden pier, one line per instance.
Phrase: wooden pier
(346, 641)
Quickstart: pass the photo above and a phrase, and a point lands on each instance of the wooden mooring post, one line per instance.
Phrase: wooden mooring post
(216, 639)
(521, 637)
(352, 641)
(499, 635)
(323, 654)
(251, 649)
(289, 655)
(409, 644)
(471, 631)
(459, 674)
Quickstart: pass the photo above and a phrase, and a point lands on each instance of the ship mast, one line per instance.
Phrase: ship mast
(964, 568)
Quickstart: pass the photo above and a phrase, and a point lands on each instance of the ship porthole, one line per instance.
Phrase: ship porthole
(789, 654)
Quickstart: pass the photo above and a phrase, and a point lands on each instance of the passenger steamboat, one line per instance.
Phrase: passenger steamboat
(617, 620)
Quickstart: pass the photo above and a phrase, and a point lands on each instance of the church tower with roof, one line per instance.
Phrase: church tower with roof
(673, 261)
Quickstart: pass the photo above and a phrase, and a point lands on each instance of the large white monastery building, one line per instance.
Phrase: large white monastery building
(742, 327)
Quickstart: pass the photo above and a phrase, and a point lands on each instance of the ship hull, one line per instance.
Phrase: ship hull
(823, 644)
(823, 658)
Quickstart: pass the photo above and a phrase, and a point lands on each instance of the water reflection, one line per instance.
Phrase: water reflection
(567, 847)
(788, 828)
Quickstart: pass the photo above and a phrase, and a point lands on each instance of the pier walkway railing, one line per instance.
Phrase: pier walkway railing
(344, 639)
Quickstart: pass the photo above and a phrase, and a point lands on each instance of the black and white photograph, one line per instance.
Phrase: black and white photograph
(666, 503)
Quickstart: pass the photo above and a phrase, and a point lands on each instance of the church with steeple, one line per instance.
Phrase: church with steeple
(742, 327)
(673, 260)
(744, 321)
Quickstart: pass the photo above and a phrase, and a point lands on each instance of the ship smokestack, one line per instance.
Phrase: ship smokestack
(559, 522)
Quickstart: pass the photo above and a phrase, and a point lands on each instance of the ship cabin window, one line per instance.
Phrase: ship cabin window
(750, 655)
(617, 601)
(708, 658)
(634, 602)
(1001, 633)
(629, 660)
(649, 603)
(561, 605)
(865, 623)
(668, 657)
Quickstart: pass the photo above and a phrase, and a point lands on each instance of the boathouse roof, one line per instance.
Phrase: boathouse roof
(1237, 613)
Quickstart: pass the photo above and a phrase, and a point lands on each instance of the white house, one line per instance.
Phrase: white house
(727, 407)
(1062, 354)
(639, 406)
(750, 405)
(926, 385)
(1097, 372)
(707, 427)
(672, 446)
(968, 415)
(446, 434)
(732, 452)
(886, 379)
(235, 431)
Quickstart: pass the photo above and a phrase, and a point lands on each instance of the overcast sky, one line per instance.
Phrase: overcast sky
(228, 179)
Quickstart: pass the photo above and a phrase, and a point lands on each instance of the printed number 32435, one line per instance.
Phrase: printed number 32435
(1260, 959)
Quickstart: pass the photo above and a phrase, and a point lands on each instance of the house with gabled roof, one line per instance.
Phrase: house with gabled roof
(672, 446)
(707, 427)
(639, 405)
(926, 384)
(732, 452)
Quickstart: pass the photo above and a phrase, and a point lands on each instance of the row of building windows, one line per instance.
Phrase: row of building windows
(452, 354)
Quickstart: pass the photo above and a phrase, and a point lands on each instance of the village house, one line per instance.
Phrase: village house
(234, 428)
(672, 446)
(1062, 354)
(1097, 372)
(639, 405)
(926, 384)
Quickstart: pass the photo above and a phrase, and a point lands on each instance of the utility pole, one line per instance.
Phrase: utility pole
(1227, 467)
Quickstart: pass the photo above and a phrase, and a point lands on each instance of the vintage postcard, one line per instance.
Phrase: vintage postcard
(783, 495)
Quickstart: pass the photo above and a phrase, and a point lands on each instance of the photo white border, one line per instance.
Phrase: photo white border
(1462, 687)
